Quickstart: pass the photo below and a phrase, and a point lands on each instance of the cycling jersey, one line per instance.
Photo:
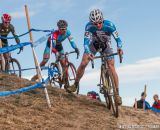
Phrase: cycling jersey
(5, 31)
(156, 104)
(56, 39)
(101, 37)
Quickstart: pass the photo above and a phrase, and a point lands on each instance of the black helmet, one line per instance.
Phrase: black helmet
(62, 24)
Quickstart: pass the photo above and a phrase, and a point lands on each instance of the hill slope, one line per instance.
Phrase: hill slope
(29, 111)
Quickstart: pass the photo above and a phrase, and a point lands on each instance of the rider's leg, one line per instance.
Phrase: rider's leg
(81, 68)
(111, 64)
(7, 59)
(80, 72)
(63, 65)
(84, 62)
(115, 77)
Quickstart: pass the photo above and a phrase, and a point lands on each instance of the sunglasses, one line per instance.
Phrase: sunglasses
(98, 23)
(62, 29)
(7, 22)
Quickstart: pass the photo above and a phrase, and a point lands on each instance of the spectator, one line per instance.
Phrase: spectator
(156, 103)
(93, 95)
(141, 101)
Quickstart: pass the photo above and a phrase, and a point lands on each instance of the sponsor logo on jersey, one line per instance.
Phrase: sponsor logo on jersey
(115, 34)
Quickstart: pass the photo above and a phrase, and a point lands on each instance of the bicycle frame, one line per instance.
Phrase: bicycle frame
(66, 65)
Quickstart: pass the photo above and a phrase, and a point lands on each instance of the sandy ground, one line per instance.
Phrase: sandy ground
(29, 111)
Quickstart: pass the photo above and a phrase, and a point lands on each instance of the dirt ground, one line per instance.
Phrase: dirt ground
(29, 111)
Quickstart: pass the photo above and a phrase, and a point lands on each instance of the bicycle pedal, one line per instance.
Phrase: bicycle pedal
(99, 85)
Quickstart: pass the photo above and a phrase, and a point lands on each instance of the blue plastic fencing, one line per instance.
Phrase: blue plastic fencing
(154, 109)
(14, 47)
(38, 85)
(36, 30)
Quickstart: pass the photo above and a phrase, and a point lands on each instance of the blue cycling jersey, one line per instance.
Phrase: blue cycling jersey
(58, 38)
(103, 34)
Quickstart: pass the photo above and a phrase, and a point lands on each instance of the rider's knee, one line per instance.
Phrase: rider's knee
(44, 62)
(111, 66)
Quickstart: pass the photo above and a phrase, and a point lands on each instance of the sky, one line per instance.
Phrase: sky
(137, 23)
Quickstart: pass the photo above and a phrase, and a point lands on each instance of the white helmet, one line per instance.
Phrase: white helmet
(96, 16)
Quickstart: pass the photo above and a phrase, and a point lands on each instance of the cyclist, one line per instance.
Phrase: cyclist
(56, 39)
(93, 95)
(98, 36)
(5, 28)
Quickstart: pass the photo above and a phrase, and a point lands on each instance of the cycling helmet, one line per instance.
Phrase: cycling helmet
(96, 16)
(6, 18)
(62, 24)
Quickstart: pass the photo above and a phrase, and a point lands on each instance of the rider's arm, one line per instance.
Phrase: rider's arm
(14, 34)
(70, 38)
(115, 35)
(86, 41)
(87, 38)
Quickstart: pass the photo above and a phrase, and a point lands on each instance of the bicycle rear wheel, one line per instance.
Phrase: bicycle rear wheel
(13, 67)
(71, 76)
(112, 93)
(56, 79)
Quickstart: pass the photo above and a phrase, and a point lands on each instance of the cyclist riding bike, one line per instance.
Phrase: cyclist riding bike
(5, 28)
(98, 36)
(56, 39)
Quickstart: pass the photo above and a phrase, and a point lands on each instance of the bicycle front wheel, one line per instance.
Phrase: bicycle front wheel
(104, 83)
(13, 67)
(112, 93)
(71, 76)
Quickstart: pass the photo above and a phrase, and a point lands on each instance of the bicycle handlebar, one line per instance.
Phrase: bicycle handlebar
(105, 55)
(65, 54)
(92, 62)
(19, 51)
(120, 58)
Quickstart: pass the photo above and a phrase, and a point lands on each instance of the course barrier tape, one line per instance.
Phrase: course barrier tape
(43, 68)
(155, 110)
(36, 30)
(38, 85)
(13, 47)
(41, 40)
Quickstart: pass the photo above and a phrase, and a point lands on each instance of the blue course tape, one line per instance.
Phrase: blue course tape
(38, 85)
(13, 47)
(43, 68)
(155, 110)
(39, 30)
(1, 37)
(41, 40)
(53, 71)
(36, 30)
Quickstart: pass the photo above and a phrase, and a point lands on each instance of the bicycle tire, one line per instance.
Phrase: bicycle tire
(55, 79)
(104, 82)
(13, 69)
(112, 93)
(71, 80)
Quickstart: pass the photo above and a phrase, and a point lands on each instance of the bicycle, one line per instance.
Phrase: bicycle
(68, 76)
(12, 66)
(107, 84)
